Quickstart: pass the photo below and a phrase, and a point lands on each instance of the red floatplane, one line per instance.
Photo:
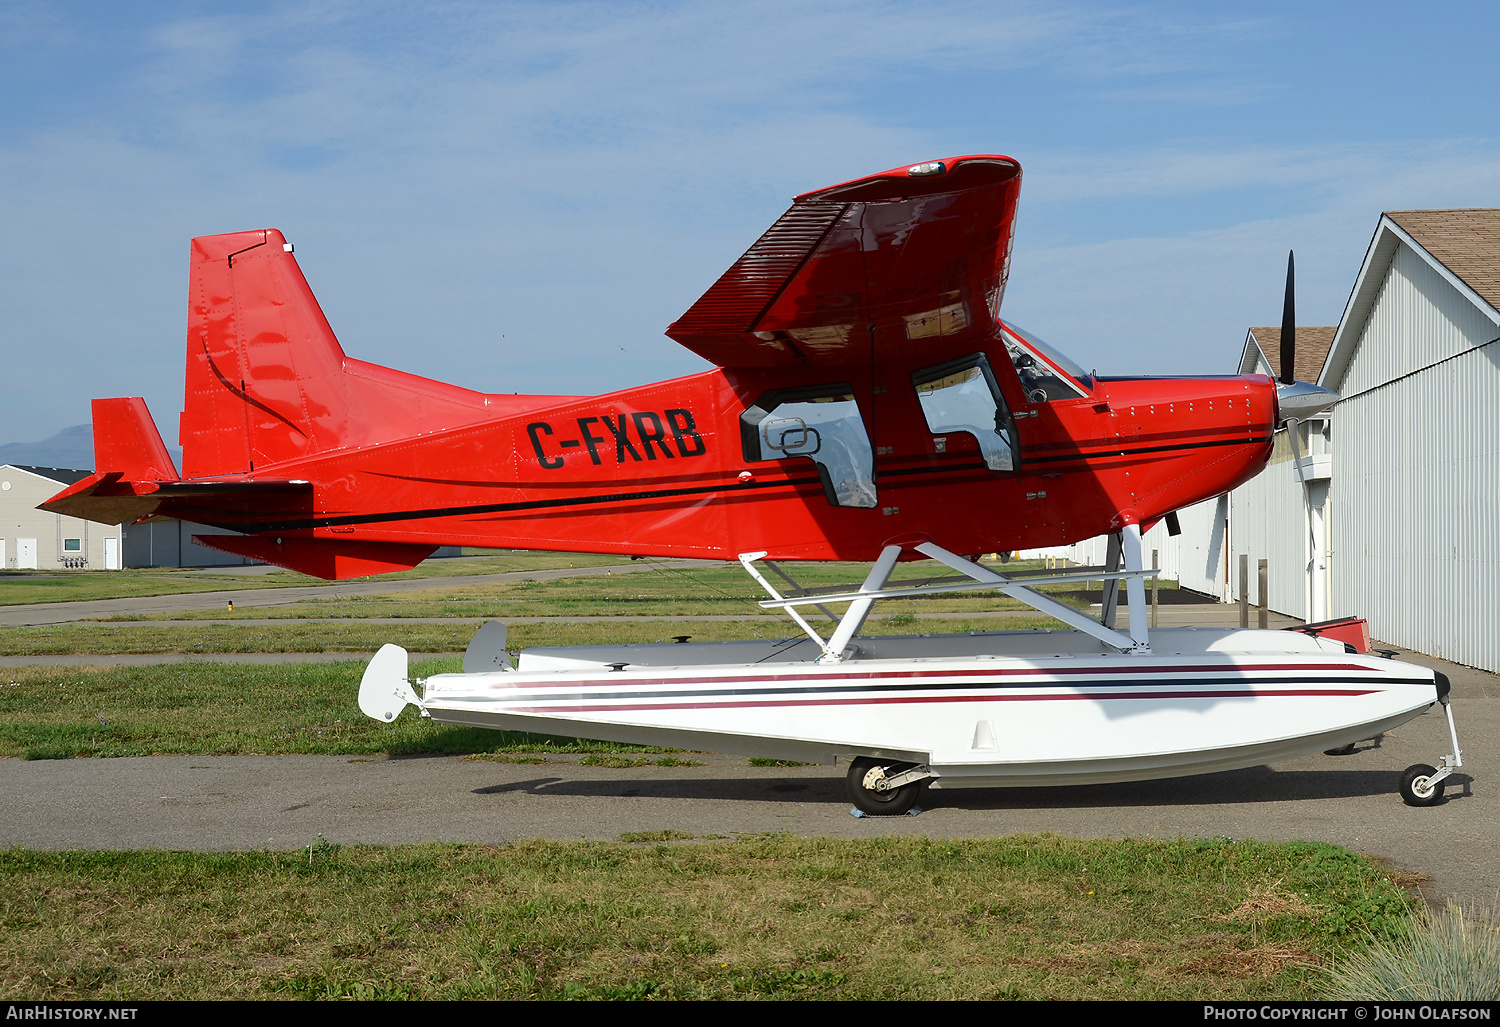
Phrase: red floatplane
(868, 404)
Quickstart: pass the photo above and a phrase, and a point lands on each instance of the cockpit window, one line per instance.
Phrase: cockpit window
(962, 396)
(822, 423)
(1044, 372)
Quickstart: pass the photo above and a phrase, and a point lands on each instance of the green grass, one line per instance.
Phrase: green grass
(18, 587)
(617, 762)
(295, 637)
(203, 709)
(199, 707)
(660, 915)
(664, 835)
(775, 917)
(346, 636)
(502, 561)
(661, 591)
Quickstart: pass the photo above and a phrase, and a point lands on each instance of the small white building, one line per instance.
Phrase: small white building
(1195, 559)
(1262, 518)
(32, 539)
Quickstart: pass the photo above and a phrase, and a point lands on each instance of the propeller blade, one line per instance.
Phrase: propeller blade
(1296, 401)
(1289, 324)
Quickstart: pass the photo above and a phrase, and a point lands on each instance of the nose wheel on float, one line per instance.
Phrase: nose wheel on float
(1422, 785)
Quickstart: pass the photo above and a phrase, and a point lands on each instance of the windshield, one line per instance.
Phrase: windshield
(1038, 365)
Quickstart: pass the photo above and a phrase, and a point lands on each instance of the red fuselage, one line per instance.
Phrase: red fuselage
(660, 470)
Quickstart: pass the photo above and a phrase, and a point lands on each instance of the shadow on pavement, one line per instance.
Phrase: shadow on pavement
(1256, 785)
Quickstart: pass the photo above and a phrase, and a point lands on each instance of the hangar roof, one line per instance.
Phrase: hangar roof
(1462, 246)
(64, 475)
(1466, 241)
(1312, 350)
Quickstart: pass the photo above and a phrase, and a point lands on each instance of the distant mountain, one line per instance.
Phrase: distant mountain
(72, 447)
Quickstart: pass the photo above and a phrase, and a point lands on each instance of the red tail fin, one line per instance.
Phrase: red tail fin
(126, 440)
(267, 381)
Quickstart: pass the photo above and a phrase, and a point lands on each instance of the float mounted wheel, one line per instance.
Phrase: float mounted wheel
(1418, 788)
(864, 778)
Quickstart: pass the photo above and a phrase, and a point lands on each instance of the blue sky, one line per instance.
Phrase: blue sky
(519, 197)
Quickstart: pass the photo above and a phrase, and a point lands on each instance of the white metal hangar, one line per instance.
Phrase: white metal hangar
(32, 539)
(1402, 502)
(1416, 454)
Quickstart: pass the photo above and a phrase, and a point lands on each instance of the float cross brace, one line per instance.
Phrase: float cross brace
(874, 588)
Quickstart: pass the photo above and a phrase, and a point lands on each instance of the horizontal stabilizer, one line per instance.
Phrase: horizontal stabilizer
(333, 559)
(108, 497)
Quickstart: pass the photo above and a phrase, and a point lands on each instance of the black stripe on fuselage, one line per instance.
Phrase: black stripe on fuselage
(530, 504)
(697, 490)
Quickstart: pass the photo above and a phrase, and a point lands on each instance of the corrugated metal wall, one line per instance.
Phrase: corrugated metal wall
(1268, 521)
(169, 543)
(1417, 319)
(1201, 547)
(1416, 535)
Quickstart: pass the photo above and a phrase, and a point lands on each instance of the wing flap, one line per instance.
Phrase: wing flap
(742, 294)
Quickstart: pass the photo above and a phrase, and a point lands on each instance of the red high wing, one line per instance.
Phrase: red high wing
(857, 296)
(910, 259)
